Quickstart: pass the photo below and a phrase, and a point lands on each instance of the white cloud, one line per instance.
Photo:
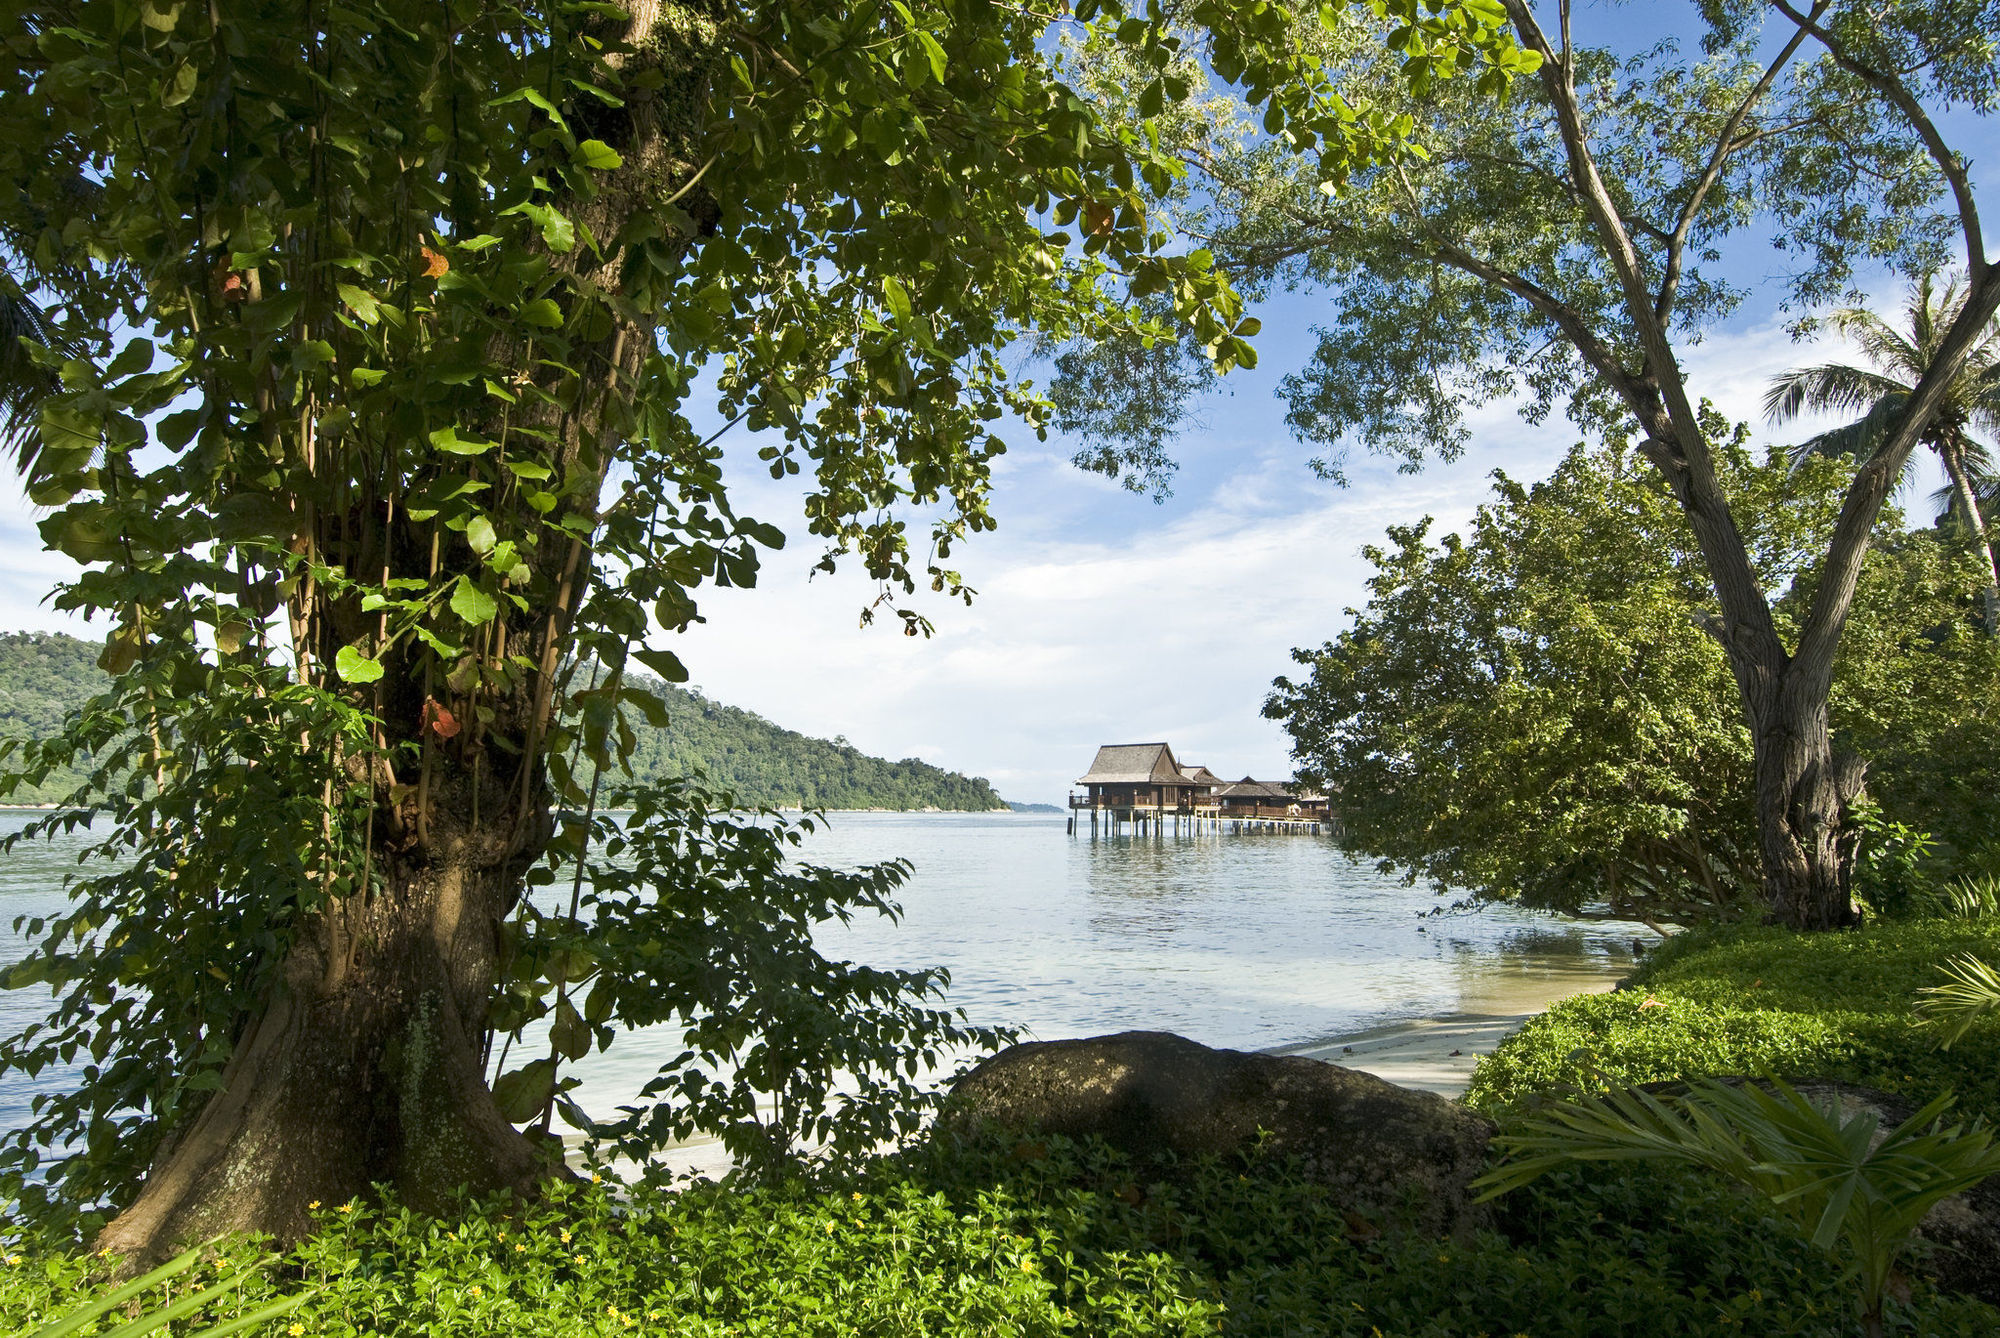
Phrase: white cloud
(1100, 616)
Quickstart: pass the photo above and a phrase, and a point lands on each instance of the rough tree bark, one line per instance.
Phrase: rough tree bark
(365, 1066)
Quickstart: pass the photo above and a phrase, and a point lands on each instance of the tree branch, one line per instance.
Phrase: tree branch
(1726, 143)
(1892, 87)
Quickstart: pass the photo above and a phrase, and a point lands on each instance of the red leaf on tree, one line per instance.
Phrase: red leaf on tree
(434, 263)
(438, 720)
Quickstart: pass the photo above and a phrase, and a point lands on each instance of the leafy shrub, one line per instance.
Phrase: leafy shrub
(1043, 1238)
(1754, 1000)
(1855, 1196)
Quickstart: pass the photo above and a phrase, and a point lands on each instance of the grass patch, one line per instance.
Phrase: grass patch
(1757, 999)
(1054, 1240)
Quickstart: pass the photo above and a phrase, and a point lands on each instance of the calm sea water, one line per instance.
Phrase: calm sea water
(1247, 941)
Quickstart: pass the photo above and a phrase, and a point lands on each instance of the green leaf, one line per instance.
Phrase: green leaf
(360, 301)
(520, 1095)
(542, 312)
(662, 662)
(180, 86)
(569, 1034)
(479, 533)
(354, 667)
(897, 297)
(597, 155)
(447, 439)
(473, 606)
(934, 50)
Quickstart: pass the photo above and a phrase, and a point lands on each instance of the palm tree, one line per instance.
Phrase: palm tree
(24, 383)
(1878, 394)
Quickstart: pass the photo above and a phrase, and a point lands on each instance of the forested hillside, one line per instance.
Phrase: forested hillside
(45, 675)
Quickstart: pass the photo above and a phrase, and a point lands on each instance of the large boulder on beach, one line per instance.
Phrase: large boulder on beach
(1397, 1157)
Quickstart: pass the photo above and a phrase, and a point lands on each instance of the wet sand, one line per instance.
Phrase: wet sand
(1437, 1054)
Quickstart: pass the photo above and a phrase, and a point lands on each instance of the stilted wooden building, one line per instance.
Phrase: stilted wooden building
(1145, 785)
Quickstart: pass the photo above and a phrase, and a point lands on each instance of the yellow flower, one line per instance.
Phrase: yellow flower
(479, 1291)
(518, 1247)
(314, 1204)
(295, 1330)
(578, 1259)
(347, 1207)
(857, 1197)
(565, 1237)
(1027, 1265)
(13, 1259)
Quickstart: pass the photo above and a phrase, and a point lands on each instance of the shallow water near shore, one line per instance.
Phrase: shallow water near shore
(1253, 941)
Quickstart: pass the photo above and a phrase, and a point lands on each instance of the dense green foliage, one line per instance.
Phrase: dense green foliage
(43, 677)
(1759, 999)
(1543, 708)
(1047, 1239)
(1563, 256)
(767, 765)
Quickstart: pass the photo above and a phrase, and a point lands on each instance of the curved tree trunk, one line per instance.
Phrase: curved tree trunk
(364, 1069)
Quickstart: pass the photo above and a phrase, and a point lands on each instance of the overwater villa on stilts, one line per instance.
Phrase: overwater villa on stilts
(1144, 785)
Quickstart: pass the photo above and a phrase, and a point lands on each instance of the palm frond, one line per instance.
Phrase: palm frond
(1830, 387)
(1855, 1196)
(1883, 344)
(24, 383)
(1856, 440)
(192, 1300)
(1970, 992)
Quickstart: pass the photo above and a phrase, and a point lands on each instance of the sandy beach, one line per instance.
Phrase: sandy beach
(1437, 1054)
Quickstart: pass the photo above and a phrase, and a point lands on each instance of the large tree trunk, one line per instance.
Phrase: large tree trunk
(365, 1066)
(364, 1069)
(1804, 792)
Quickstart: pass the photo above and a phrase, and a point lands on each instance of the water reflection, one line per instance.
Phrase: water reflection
(1249, 941)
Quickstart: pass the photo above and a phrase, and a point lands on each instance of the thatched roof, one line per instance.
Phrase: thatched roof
(1201, 775)
(1134, 764)
(1248, 788)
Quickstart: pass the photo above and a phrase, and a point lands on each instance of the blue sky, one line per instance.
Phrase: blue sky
(1102, 617)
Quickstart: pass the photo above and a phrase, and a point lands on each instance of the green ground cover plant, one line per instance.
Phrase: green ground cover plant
(1045, 1238)
(1757, 999)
